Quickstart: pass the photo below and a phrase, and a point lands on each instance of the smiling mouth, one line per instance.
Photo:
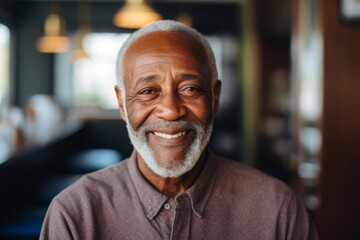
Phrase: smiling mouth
(169, 136)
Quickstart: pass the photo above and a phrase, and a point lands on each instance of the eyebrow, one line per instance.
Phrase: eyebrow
(189, 76)
(184, 76)
(146, 78)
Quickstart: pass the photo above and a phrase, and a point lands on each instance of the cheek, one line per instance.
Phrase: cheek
(202, 111)
(138, 114)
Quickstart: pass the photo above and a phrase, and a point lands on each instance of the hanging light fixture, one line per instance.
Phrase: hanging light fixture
(135, 14)
(84, 19)
(79, 51)
(185, 18)
(54, 39)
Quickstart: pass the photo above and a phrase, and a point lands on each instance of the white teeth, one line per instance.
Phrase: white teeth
(169, 136)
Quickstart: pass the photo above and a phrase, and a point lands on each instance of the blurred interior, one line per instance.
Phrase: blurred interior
(290, 71)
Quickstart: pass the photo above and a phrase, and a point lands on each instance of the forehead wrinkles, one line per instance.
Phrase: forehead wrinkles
(162, 40)
(138, 51)
(156, 62)
(170, 44)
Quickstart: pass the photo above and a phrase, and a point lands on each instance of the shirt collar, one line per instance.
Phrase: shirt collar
(153, 200)
(200, 192)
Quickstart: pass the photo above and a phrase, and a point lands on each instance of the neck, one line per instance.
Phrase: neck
(171, 186)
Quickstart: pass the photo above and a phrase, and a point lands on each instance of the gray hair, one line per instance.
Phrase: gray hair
(164, 26)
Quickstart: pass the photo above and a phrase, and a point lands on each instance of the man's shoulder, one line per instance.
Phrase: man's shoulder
(242, 176)
(107, 182)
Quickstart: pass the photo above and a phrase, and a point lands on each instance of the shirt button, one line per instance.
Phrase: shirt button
(167, 206)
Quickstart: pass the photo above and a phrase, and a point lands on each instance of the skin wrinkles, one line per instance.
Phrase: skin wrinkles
(165, 84)
(135, 101)
(148, 71)
(149, 87)
(184, 76)
(188, 49)
(167, 80)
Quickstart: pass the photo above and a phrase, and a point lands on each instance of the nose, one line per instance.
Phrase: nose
(170, 107)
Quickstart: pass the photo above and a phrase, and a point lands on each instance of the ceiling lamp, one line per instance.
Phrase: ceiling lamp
(54, 39)
(79, 51)
(84, 28)
(135, 14)
(185, 18)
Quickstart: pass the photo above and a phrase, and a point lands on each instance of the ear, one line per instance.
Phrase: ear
(119, 96)
(216, 96)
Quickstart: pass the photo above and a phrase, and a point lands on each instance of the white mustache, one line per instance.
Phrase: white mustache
(180, 124)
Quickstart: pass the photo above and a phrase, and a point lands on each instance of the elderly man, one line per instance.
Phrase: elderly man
(172, 186)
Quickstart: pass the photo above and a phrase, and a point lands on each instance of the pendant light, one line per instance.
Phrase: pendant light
(135, 14)
(79, 51)
(84, 28)
(185, 18)
(54, 39)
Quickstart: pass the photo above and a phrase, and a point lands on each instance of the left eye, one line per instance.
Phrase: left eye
(192, 89)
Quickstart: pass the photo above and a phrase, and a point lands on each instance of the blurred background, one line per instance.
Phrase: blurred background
(289, 106)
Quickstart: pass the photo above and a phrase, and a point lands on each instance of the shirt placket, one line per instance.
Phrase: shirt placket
(182, 220)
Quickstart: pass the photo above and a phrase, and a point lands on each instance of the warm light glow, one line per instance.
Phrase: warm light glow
(79, 52)
(185, 18)
(52, 44)
(54, 25)
(54, 39)
(135, 14)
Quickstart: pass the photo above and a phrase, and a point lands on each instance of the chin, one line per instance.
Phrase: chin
(168, 166)
(164, 165)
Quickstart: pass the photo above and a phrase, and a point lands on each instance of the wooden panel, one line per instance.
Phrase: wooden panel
(339, 213)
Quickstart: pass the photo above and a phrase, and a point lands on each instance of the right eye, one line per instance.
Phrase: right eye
(147, 92)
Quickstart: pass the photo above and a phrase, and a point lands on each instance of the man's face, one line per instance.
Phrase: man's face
(169, 101)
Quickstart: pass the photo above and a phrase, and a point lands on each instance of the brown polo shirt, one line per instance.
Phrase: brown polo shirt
(228, 201)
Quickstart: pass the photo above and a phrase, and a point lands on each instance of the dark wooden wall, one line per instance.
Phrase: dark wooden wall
(273, 29)
(339, 212)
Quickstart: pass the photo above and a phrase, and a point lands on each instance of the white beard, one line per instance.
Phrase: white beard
(175, 168)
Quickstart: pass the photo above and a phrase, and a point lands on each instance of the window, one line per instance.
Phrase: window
(89, 82)
(4, 64)
(5, 131)
(94, 77)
